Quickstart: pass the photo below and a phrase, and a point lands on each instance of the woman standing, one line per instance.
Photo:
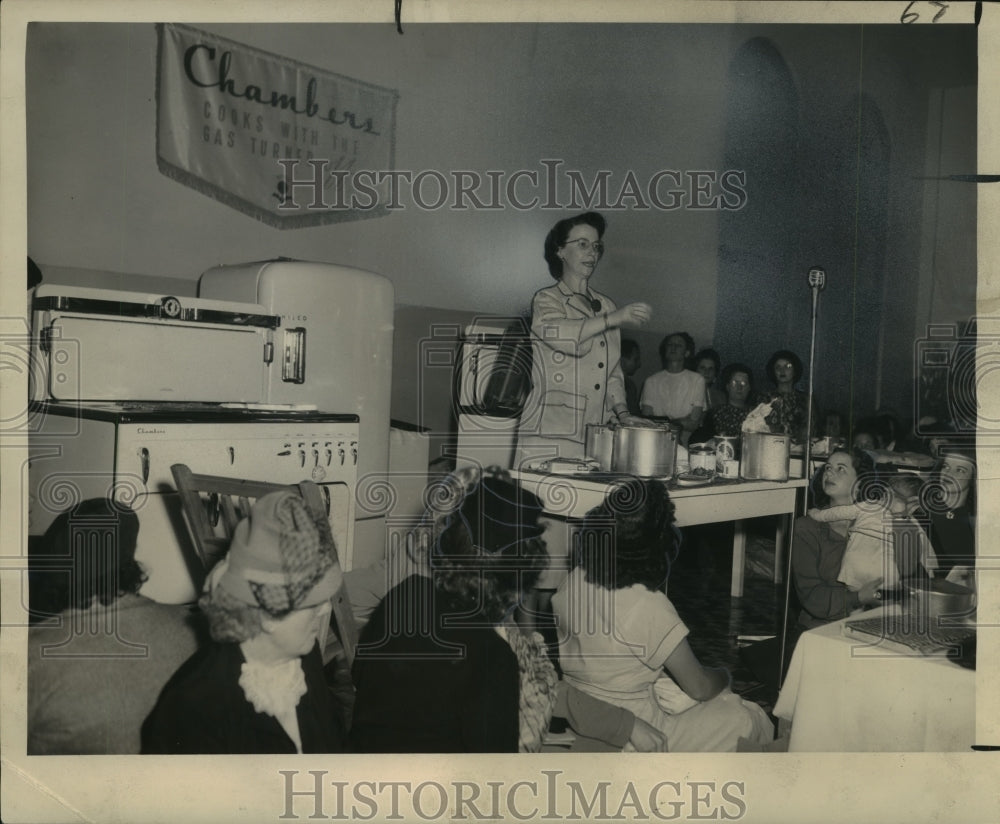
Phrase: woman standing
(576, 375)
(818, 548)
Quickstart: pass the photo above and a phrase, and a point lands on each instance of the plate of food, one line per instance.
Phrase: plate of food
(696, 477)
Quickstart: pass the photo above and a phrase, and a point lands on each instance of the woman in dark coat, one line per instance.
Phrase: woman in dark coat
(259, 686)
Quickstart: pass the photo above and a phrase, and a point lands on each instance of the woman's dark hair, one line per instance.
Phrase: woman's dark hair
(474, 583)
(630, 538)
(792, 358)
(708, 354)
(688, 347)
(934, 495)
(629, 347)
(887, 428)
(870, 486)
(87, 552)
(488, 551)
(556, 238)
(869, 426)
(731, 369)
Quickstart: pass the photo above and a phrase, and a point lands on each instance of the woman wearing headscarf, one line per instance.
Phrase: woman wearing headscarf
(259, 686)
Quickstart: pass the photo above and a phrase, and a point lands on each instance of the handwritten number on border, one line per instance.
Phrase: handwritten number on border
(909, 16)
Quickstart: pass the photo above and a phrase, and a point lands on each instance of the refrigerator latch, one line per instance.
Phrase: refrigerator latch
(293, 366)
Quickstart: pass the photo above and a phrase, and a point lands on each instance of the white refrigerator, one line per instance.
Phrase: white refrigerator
(333, 351)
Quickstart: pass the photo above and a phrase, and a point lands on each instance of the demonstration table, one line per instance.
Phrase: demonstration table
(846, 695)
(572, 496)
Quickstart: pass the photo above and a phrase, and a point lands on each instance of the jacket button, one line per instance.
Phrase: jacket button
(602, 344)
(600, 365)
(597, 386)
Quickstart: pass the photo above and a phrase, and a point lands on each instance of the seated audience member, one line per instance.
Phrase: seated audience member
(708, 364)
(259, 686)
(622, 641)
(727, 420)
(96, 667)
(833, 427)
(866, 435)
(442, 666)
(675, 392)
(788, 405)
(631, 360)
(818, 547)
(876, 527)
(889, 430)
(950, 514)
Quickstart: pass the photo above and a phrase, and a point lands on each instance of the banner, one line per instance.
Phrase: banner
(268, 136)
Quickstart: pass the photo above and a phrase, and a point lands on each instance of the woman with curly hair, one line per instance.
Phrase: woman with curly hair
(622, 641)
(442, 666)
(819, 547)
(789, 406)
(259, 686)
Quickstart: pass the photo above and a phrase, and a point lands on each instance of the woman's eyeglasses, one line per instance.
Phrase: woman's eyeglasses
(585, 245)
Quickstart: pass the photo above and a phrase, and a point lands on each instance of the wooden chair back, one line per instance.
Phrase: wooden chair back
(214, 505)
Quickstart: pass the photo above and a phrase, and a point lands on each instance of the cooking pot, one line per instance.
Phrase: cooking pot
(764, 457)
(937, 598)
(600, 444)
(646, 451)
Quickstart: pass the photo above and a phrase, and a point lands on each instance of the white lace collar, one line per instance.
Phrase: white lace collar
(275, 689)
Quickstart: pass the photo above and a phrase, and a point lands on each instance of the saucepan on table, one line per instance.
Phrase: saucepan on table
(933, 599)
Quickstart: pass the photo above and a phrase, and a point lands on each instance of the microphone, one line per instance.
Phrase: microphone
(817, 277)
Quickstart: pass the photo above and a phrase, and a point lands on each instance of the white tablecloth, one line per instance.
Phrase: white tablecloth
(842, 695)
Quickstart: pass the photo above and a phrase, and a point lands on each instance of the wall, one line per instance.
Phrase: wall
(508, 96)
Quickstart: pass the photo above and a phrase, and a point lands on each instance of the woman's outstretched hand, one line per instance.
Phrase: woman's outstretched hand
(633, 314)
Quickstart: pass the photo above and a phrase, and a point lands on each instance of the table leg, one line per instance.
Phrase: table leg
(739, 557)
(779, 548)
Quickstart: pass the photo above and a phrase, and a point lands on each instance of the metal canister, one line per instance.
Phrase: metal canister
(600, 444)
(765, 456)
(646, 451)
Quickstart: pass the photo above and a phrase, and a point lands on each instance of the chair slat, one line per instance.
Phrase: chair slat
(211, 547)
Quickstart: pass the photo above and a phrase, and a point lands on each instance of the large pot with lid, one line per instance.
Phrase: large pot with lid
(764, 457)
(645, 451)
(600, 444)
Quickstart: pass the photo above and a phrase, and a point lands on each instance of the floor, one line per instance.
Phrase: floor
(722, 627)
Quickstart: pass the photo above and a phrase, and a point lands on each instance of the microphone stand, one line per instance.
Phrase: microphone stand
(817, 280)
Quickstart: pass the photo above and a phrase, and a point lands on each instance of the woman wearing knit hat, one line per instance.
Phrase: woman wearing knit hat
(950, 510)
(259, 687)
(622, 641)
(443, 667)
